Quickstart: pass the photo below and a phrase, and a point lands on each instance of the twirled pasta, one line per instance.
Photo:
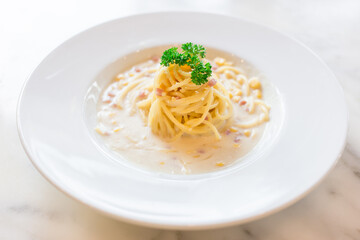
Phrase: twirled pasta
(178, 106)
(172, 105)
(149, 100)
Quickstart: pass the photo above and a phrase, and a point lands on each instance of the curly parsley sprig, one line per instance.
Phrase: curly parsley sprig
(191, 55)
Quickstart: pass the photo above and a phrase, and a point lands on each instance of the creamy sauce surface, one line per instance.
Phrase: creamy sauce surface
(125, 132)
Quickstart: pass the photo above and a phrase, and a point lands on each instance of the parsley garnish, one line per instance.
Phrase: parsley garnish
(191, 55)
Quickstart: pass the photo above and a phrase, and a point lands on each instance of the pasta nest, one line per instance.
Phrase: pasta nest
(177, 106)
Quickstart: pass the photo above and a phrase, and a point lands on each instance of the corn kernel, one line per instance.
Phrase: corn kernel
(255, 84)
(162, 163)
(229, 74)
(240, 80)
(98, 130)
(131, 74)
(101, 131)
(125, 83)
(117, 129)
(247, 133)
(236, 145)
(230, 95)
(258, 94)
(219, 61)
(119, 77)
(220, 164)
(239, 93)
(232, 129)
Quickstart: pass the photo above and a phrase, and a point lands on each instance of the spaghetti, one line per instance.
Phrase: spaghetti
(178, 106)
(150, 103)
(172, 105)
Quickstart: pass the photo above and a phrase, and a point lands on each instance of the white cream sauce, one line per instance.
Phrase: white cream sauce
(124, 131)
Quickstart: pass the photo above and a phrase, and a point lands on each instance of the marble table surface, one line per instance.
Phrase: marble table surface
(31, 208)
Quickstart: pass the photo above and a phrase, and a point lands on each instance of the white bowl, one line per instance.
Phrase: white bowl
(304, 138)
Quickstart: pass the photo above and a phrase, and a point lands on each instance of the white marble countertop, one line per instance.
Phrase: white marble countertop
(31, 208)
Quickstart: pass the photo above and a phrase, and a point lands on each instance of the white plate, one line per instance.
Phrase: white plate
(306, 136)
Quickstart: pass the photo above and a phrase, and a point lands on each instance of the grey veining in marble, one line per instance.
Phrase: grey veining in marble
(31, 208)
